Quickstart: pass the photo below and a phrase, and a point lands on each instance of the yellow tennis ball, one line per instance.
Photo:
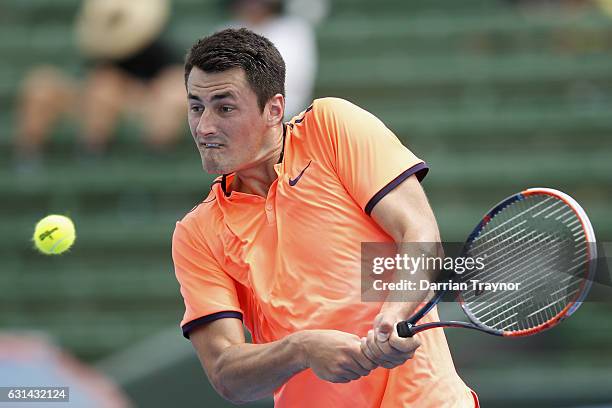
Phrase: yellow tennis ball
(54, 234)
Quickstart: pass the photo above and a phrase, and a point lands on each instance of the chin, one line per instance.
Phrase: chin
(211, 168)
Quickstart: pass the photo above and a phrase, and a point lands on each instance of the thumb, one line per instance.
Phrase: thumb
(383, 326)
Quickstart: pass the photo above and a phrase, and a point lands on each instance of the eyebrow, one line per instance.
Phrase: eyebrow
(223, 96)
(214, 98)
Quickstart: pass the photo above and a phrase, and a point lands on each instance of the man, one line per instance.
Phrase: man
(277, 243)
(130, 70)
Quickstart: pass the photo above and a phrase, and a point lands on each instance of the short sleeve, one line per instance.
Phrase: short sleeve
(369, 159)
(208, 292)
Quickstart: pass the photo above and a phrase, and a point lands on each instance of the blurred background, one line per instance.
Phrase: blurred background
(495, 95)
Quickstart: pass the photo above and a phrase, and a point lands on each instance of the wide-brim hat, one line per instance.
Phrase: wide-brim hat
(115, 29)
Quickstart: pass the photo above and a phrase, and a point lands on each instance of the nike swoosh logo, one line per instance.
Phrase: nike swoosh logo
(295, 180)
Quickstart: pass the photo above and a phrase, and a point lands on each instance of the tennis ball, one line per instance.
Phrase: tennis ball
(54, 234)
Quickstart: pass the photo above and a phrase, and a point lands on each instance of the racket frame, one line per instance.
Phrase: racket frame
(408, 328)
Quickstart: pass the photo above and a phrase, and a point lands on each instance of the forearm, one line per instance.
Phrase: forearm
(422, 246)
(382, 344)
(425, 246)
(247, 372)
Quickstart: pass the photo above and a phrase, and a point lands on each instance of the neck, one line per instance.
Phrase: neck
(258, 179)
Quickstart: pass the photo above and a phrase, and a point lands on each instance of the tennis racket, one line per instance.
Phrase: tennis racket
(540, 239)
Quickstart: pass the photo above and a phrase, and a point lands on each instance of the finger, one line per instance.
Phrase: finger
(404, 350)
(389, 357)
(384, 326)
(366, 351)
(377, 320)
(362, 360)
(349, 364)
(379, 356)
(385, 348)
(374, 349)
(394, 359)
(404, 345)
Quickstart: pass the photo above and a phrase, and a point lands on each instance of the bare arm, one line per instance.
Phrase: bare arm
(406, 216)
(243, 372)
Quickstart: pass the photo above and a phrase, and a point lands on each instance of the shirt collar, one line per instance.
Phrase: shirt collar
(276, 166)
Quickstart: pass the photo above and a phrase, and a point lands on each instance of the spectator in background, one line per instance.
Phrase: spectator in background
(130, 70)
(295, 39)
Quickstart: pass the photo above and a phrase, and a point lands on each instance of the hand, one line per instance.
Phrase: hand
(335, 356)
(383, 346)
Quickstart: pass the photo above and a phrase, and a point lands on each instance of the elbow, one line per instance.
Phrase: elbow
(219, 380)
(218, 383)
(428, 241)
(425, 232)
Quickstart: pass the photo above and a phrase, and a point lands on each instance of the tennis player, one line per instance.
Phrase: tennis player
(276, 244)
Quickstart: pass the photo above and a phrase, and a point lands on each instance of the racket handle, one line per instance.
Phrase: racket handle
(404, 329)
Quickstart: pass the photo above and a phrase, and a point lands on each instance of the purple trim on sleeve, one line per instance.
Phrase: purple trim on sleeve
(188, 327)
(419, 169)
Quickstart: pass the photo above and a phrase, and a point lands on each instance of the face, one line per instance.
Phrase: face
(227, 125)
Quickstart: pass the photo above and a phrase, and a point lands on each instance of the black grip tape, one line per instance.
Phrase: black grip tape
(404, 329)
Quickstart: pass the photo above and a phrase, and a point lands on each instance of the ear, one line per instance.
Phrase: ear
(275, 110)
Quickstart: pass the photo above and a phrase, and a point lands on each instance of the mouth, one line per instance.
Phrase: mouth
(210, 145)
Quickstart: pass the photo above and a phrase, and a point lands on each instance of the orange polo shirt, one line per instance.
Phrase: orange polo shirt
(291, 261)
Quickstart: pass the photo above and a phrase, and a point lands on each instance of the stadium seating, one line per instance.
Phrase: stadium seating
(494, 99)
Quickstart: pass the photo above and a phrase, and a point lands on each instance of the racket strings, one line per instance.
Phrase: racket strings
(492, 243)
(487, 231)
(511, 260)
(497, 301)
(486, 307)
(522, 268)
(534, 292)
(538, 243)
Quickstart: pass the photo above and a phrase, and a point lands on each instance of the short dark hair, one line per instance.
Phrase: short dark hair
(241, 48)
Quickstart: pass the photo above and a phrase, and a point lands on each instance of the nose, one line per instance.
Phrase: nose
(206, 125)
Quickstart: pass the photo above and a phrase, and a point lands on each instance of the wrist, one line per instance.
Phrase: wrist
(298, 342)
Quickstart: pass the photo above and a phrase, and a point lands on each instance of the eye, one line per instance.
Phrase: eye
(227, 108)
(196, 108)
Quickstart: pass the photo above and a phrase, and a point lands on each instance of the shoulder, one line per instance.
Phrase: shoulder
(330, 122)
(333, 105)
(337, 111)
(338, 117)
(327, 120)
(327, 110)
